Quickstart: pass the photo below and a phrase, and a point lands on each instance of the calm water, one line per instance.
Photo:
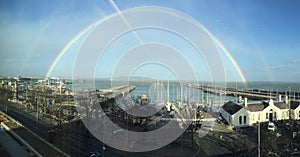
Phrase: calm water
(274, 86)
(176, 92)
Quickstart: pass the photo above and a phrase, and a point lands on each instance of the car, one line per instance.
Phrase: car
(271, 126)
(94, 154)
(219, 119)
(288, 126)
(207, 127)
(116, 131)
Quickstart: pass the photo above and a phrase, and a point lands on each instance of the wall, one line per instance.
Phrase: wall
(295, 113)
(236, 118)
(226, 116)
(256, 117)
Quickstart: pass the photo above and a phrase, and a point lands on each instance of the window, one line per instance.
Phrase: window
(267, 115)
(299, 113)
(240, 119)
(275, 115)
(245, 120)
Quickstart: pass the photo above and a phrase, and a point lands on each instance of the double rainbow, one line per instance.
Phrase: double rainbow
(90, 28)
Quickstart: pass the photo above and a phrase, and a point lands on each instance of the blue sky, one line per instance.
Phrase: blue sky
(262, 36)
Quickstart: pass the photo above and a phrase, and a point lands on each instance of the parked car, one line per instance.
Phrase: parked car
(288, 126)
(207, 127)
(94, 154)
(271, 126)
(219, 119)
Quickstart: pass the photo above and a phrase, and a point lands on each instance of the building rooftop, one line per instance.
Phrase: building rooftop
(258, 106)
(231, 107)
(294, 104)
(281, 105)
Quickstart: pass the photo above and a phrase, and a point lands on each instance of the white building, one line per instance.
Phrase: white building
(295, 110)
(247, 114)
(55, 83)
(235, 114)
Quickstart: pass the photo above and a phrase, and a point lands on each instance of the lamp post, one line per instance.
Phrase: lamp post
(37, 112)
(5, 98)
(37, 107)
(258, 140)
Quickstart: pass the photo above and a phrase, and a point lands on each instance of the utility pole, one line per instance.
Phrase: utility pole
(37, 107)
(26, 97)
(37, 113)
(258, 145)
(7, 101)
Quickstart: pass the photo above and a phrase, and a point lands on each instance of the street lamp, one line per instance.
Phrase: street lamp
(258, 139)
(37, 112)
(37, 107)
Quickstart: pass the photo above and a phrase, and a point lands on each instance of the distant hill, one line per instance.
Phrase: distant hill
(134, 78)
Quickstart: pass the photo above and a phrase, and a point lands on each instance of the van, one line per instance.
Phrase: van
(271, 126)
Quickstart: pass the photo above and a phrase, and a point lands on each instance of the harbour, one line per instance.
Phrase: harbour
(54, 121)
(255, 94)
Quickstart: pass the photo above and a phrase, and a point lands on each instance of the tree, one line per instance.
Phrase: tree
(5, 95)
(46, 94)
(88, 106)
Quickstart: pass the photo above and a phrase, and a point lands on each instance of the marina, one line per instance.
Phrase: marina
(255, 94)
(206, 103)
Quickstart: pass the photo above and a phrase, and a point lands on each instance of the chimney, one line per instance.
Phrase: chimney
(271, 102)
(286, 99)
(246, 102)
(240, 99)
(279, 98)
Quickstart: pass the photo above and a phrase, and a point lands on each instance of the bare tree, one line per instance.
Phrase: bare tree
(5, 95)
(87, 105)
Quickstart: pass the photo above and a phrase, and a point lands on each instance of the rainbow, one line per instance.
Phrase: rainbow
(90, 28)
(64, 50)
(70, 43)
(230, 57)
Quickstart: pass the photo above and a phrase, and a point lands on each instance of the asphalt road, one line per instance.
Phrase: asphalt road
(72, 138)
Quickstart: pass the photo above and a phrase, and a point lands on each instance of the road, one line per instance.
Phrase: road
(74, 139)
(70, 139)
